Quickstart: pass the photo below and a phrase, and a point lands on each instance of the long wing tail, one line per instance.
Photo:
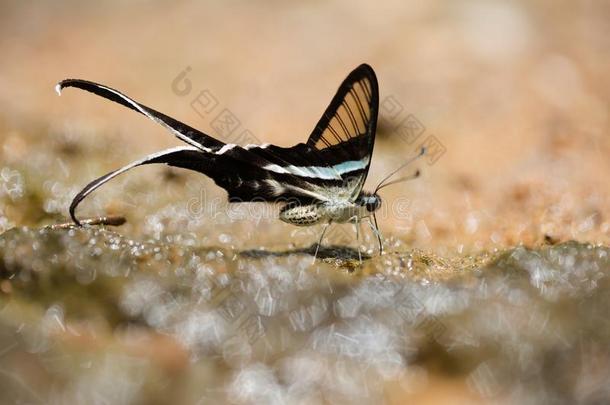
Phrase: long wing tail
(186, 157)
(184, 132)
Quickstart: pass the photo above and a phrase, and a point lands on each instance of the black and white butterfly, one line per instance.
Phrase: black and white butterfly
(317, 182)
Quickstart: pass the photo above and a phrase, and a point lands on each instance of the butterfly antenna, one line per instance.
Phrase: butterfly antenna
(421, 153)
(405, 178)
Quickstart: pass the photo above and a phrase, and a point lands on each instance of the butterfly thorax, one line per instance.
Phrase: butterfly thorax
(339, 211)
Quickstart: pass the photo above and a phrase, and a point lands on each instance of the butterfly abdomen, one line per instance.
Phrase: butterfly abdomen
(301, 215)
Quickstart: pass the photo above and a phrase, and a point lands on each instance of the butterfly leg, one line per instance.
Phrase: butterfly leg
(320, 241)
(376, 231)
(357, 225)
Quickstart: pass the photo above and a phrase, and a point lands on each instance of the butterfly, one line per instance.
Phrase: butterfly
(317, 182)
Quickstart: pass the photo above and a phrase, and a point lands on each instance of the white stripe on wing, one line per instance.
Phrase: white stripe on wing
(225, 148)
(326, 173)
(138, 107)
(104, 179)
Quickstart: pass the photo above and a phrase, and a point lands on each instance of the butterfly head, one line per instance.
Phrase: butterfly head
(371, 201)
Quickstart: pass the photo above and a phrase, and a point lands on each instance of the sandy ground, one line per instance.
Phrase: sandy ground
(512, 97)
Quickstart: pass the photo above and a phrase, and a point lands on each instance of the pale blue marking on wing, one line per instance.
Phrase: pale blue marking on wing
(326, 173)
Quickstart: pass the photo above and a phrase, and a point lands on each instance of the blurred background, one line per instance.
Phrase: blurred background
(511, 98)
(514, 94)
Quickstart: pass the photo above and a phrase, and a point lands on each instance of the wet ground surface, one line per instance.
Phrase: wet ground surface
(88, 313)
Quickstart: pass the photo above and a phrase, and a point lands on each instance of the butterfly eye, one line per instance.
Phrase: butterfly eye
(373, 203)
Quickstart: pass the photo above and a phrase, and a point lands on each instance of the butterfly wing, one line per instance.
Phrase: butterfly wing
(332, 164)
(244, 172)
(182, 131)
(345, 135)
(184, 156)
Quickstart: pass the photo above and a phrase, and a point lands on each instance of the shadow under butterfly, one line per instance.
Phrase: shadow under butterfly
(317, 182)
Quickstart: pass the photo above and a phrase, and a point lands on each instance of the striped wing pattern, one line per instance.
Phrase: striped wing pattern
(332, 164)
(345, 134)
